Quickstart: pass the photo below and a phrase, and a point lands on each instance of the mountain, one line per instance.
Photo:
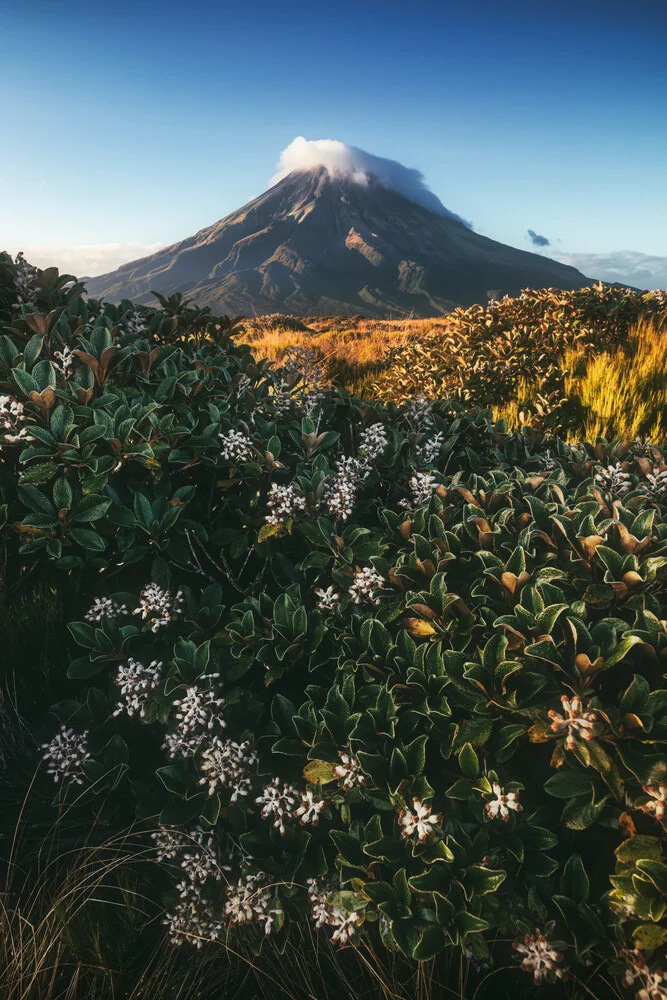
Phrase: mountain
(323, 244)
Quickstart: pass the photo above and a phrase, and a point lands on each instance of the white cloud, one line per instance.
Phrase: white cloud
(86, 259)
(356, 164)
(627, 266)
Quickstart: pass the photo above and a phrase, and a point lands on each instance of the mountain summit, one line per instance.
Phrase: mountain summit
(327, 242)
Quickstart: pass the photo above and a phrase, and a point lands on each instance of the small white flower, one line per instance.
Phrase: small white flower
(251, 900)
(540, 958)
(65, 361)
(428, 452)
(419, 820)
(422, 485)
(158, 606)
(349, 771)
(341, 494)
(373, 442)
(657, 481)
(65, 755)
(503, 803)
(12, 417)
(226, 764)
(613, 479)
(575, 722)
(327, 599)
(235, 446)
(367, 582)
(344, 924)
(657, 804)
(193, 919)
(310, 809)
(284, 503)
(104, 608)
(278, 801)
(137, 683)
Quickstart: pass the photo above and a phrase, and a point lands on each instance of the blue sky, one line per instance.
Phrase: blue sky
(133, 124)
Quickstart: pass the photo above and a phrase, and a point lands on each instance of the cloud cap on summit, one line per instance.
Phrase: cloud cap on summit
(341, 160)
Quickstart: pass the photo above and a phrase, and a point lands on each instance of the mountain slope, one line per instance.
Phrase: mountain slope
(320, 245)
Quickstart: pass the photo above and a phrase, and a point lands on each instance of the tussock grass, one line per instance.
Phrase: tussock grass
(622, 393)
(356, 350)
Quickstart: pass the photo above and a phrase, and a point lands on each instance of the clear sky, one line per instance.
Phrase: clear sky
(131, 124)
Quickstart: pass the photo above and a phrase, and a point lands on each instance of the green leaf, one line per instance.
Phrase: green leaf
(579, 814)
(575, 880)
(91, 508)
(568, 784)
(639, 847)
(468, 761)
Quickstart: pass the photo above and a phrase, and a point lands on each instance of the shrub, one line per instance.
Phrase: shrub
(394, 671)
(516, 349)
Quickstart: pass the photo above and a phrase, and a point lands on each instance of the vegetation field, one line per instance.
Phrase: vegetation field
(589, 363)
(327, 674)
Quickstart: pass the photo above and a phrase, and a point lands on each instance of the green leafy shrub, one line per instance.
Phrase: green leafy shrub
(395, 671)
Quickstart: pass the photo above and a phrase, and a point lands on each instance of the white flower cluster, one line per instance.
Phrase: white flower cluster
(502, 803)
(137, 683)
(310, 809)
(340, 495)
(367, 582)
(422, 485)
(419, 820)
(251, 899)
(301, 383)
(657, 804)
(158, 606)
(199, 862)
(25, 281)
(235, 446)
(613, 479)
(135, 326)
(194, 920)
(65, 755)
(169, 842)
(284, 503)
(657, 481)
(103, 608)
(227, 764)
(194, 917)
(12, 414)
(327, 599)
(323, 911)
(373, 442)
(653, 983)
(540, 958)
(63, 361)
(419, 415)
(197, 713)
(574, 722)
(280, 802)
(428, 451)
(349, 771)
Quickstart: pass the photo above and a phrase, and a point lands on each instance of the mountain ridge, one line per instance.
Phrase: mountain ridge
(317, 244)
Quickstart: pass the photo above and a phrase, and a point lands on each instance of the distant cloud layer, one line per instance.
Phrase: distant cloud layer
(86, 259)
(627, 266)
(537, 240)
(354, 163)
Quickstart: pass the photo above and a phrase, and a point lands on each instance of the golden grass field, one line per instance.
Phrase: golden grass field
(612, 393)
(353, 348)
